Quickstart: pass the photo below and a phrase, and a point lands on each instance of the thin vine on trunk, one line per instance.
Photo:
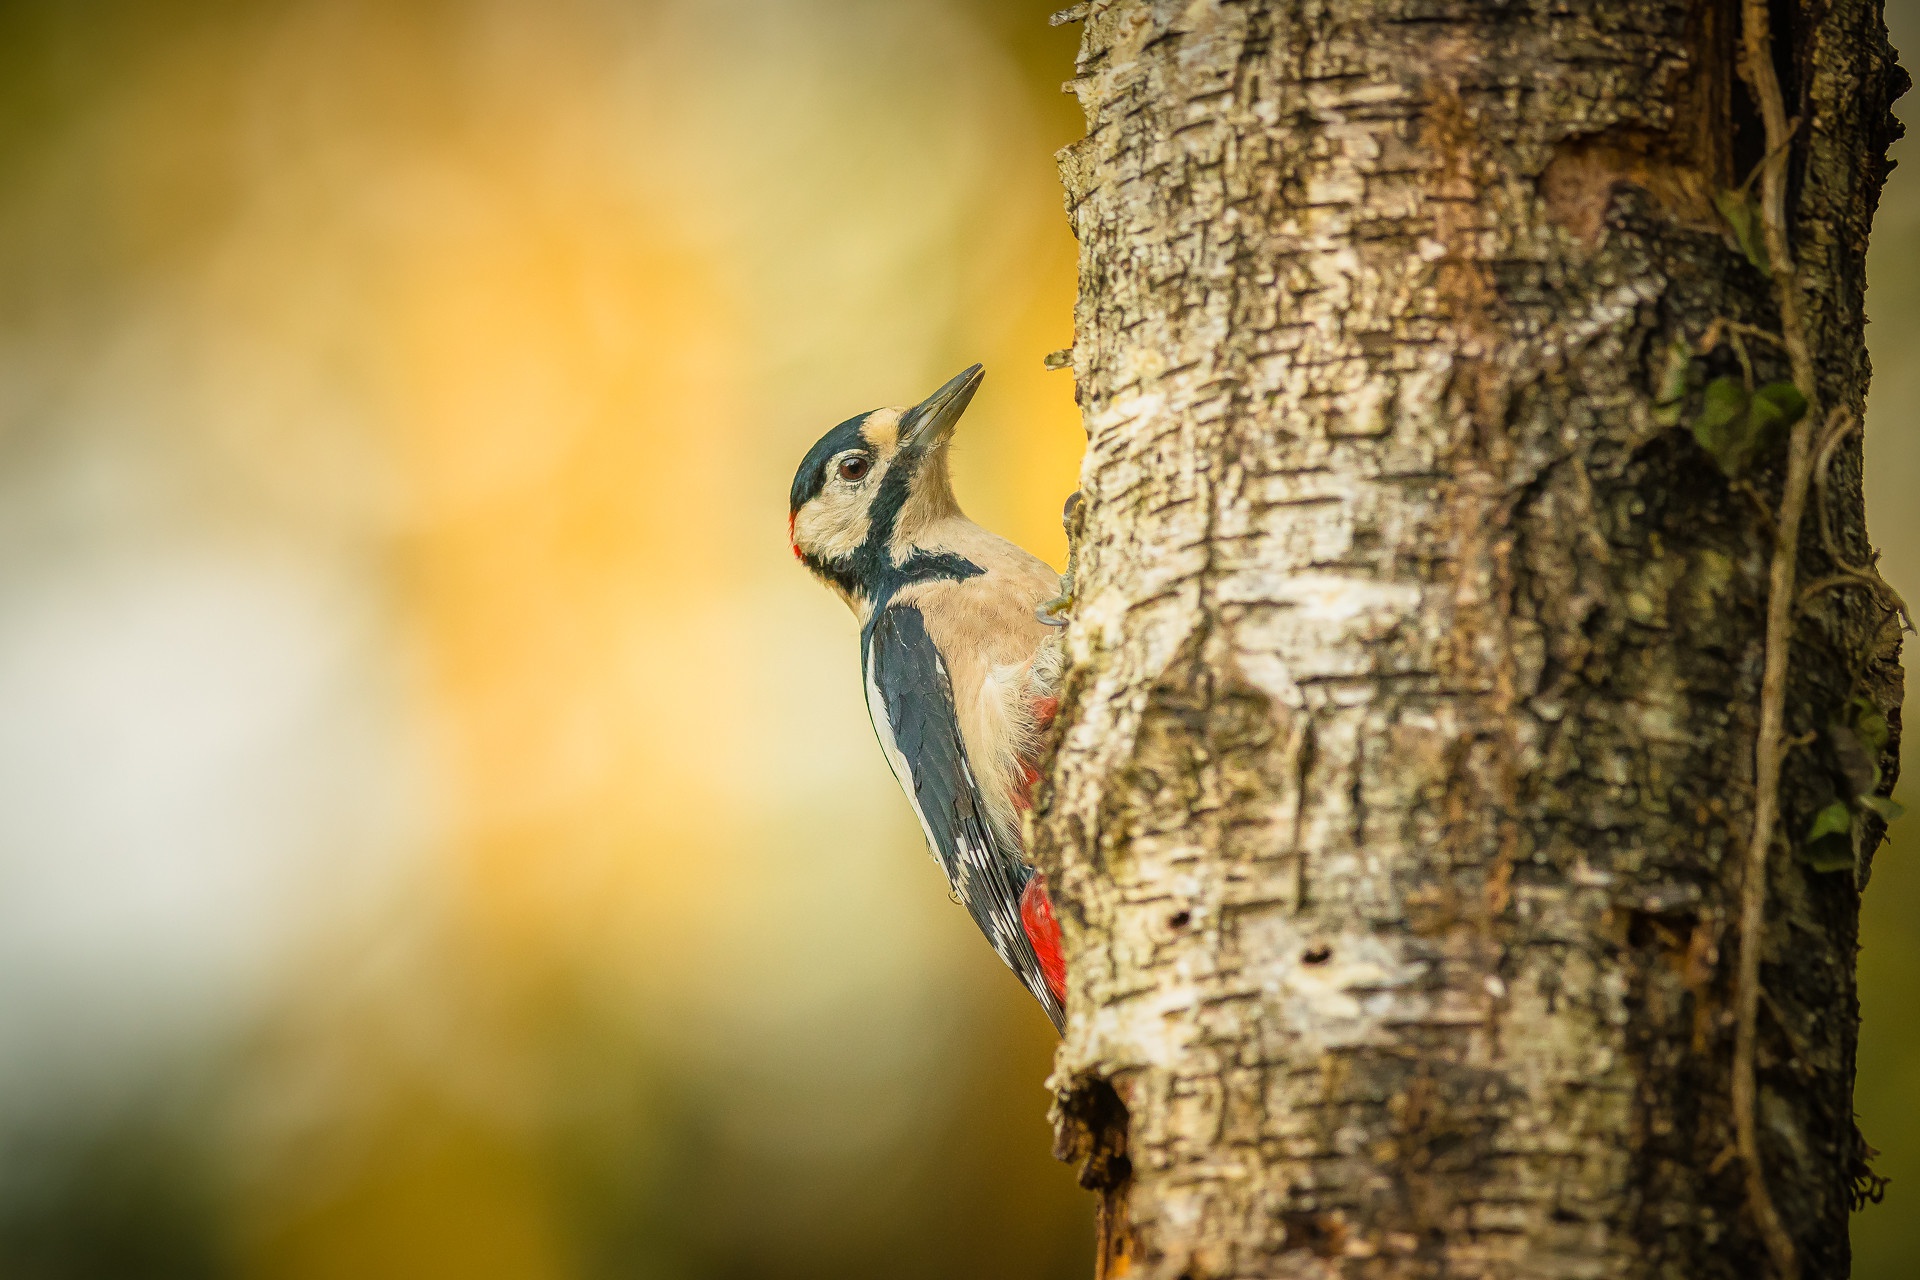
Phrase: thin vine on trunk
(1756, 67)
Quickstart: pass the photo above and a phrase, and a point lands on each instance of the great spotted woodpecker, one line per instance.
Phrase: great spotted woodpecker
(960, 673)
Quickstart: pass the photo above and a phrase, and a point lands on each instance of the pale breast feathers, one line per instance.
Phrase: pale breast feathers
(985, 628)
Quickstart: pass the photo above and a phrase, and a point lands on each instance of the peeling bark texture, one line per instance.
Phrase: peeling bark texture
(1407, 751)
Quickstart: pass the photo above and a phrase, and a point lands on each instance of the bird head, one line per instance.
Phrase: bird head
(869, 488)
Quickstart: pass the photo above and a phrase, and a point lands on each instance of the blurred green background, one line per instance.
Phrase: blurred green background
(439, 832)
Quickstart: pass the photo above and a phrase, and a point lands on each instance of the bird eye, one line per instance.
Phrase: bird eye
(854, 469)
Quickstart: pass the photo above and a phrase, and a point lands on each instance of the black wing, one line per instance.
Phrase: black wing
(910, 699)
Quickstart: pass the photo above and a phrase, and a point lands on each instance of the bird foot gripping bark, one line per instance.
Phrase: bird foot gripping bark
(1058, 611)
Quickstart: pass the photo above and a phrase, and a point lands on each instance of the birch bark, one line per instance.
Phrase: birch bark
(1407, 749)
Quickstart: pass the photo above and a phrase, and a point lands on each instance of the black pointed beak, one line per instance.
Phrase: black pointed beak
(930, 423)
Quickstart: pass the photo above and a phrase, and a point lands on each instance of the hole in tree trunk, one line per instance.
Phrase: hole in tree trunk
(1090, 1126)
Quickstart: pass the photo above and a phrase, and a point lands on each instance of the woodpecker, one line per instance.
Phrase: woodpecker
(960, 671)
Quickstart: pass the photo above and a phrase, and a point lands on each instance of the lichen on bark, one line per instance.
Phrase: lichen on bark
(1407, 748)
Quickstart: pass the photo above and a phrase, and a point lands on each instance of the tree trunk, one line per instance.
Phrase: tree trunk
(1407, 762)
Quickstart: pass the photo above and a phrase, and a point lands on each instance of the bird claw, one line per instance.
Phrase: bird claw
(1058, 611)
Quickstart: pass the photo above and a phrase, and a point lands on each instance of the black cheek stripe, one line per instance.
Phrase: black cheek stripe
(868, 572)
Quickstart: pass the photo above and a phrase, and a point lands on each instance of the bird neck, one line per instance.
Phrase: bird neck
(929, 502)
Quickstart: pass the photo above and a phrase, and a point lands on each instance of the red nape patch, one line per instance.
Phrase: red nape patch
(1036, 917)
(790, 541)
(1044, 710)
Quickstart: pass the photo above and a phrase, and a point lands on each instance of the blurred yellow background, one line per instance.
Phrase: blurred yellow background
(439, 830)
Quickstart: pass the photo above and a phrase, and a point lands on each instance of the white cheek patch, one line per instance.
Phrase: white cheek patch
(832, 525)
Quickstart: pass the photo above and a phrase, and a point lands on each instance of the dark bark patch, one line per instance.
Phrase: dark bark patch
(1580, 182)
(1463, 283)
(1205, 744)
(1090, 1125)
(1323, 1235)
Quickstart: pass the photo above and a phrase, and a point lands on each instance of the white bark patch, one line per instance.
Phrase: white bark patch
(1331, 990)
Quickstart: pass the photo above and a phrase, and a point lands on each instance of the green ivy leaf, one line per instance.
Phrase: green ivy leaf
(1829, 843)
(1889, 810)
(1783, 400)
(1669, 397)
(1774, 408)
(1870, 725)
(1736, 427)
(1721, 428)
(1742, 213)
